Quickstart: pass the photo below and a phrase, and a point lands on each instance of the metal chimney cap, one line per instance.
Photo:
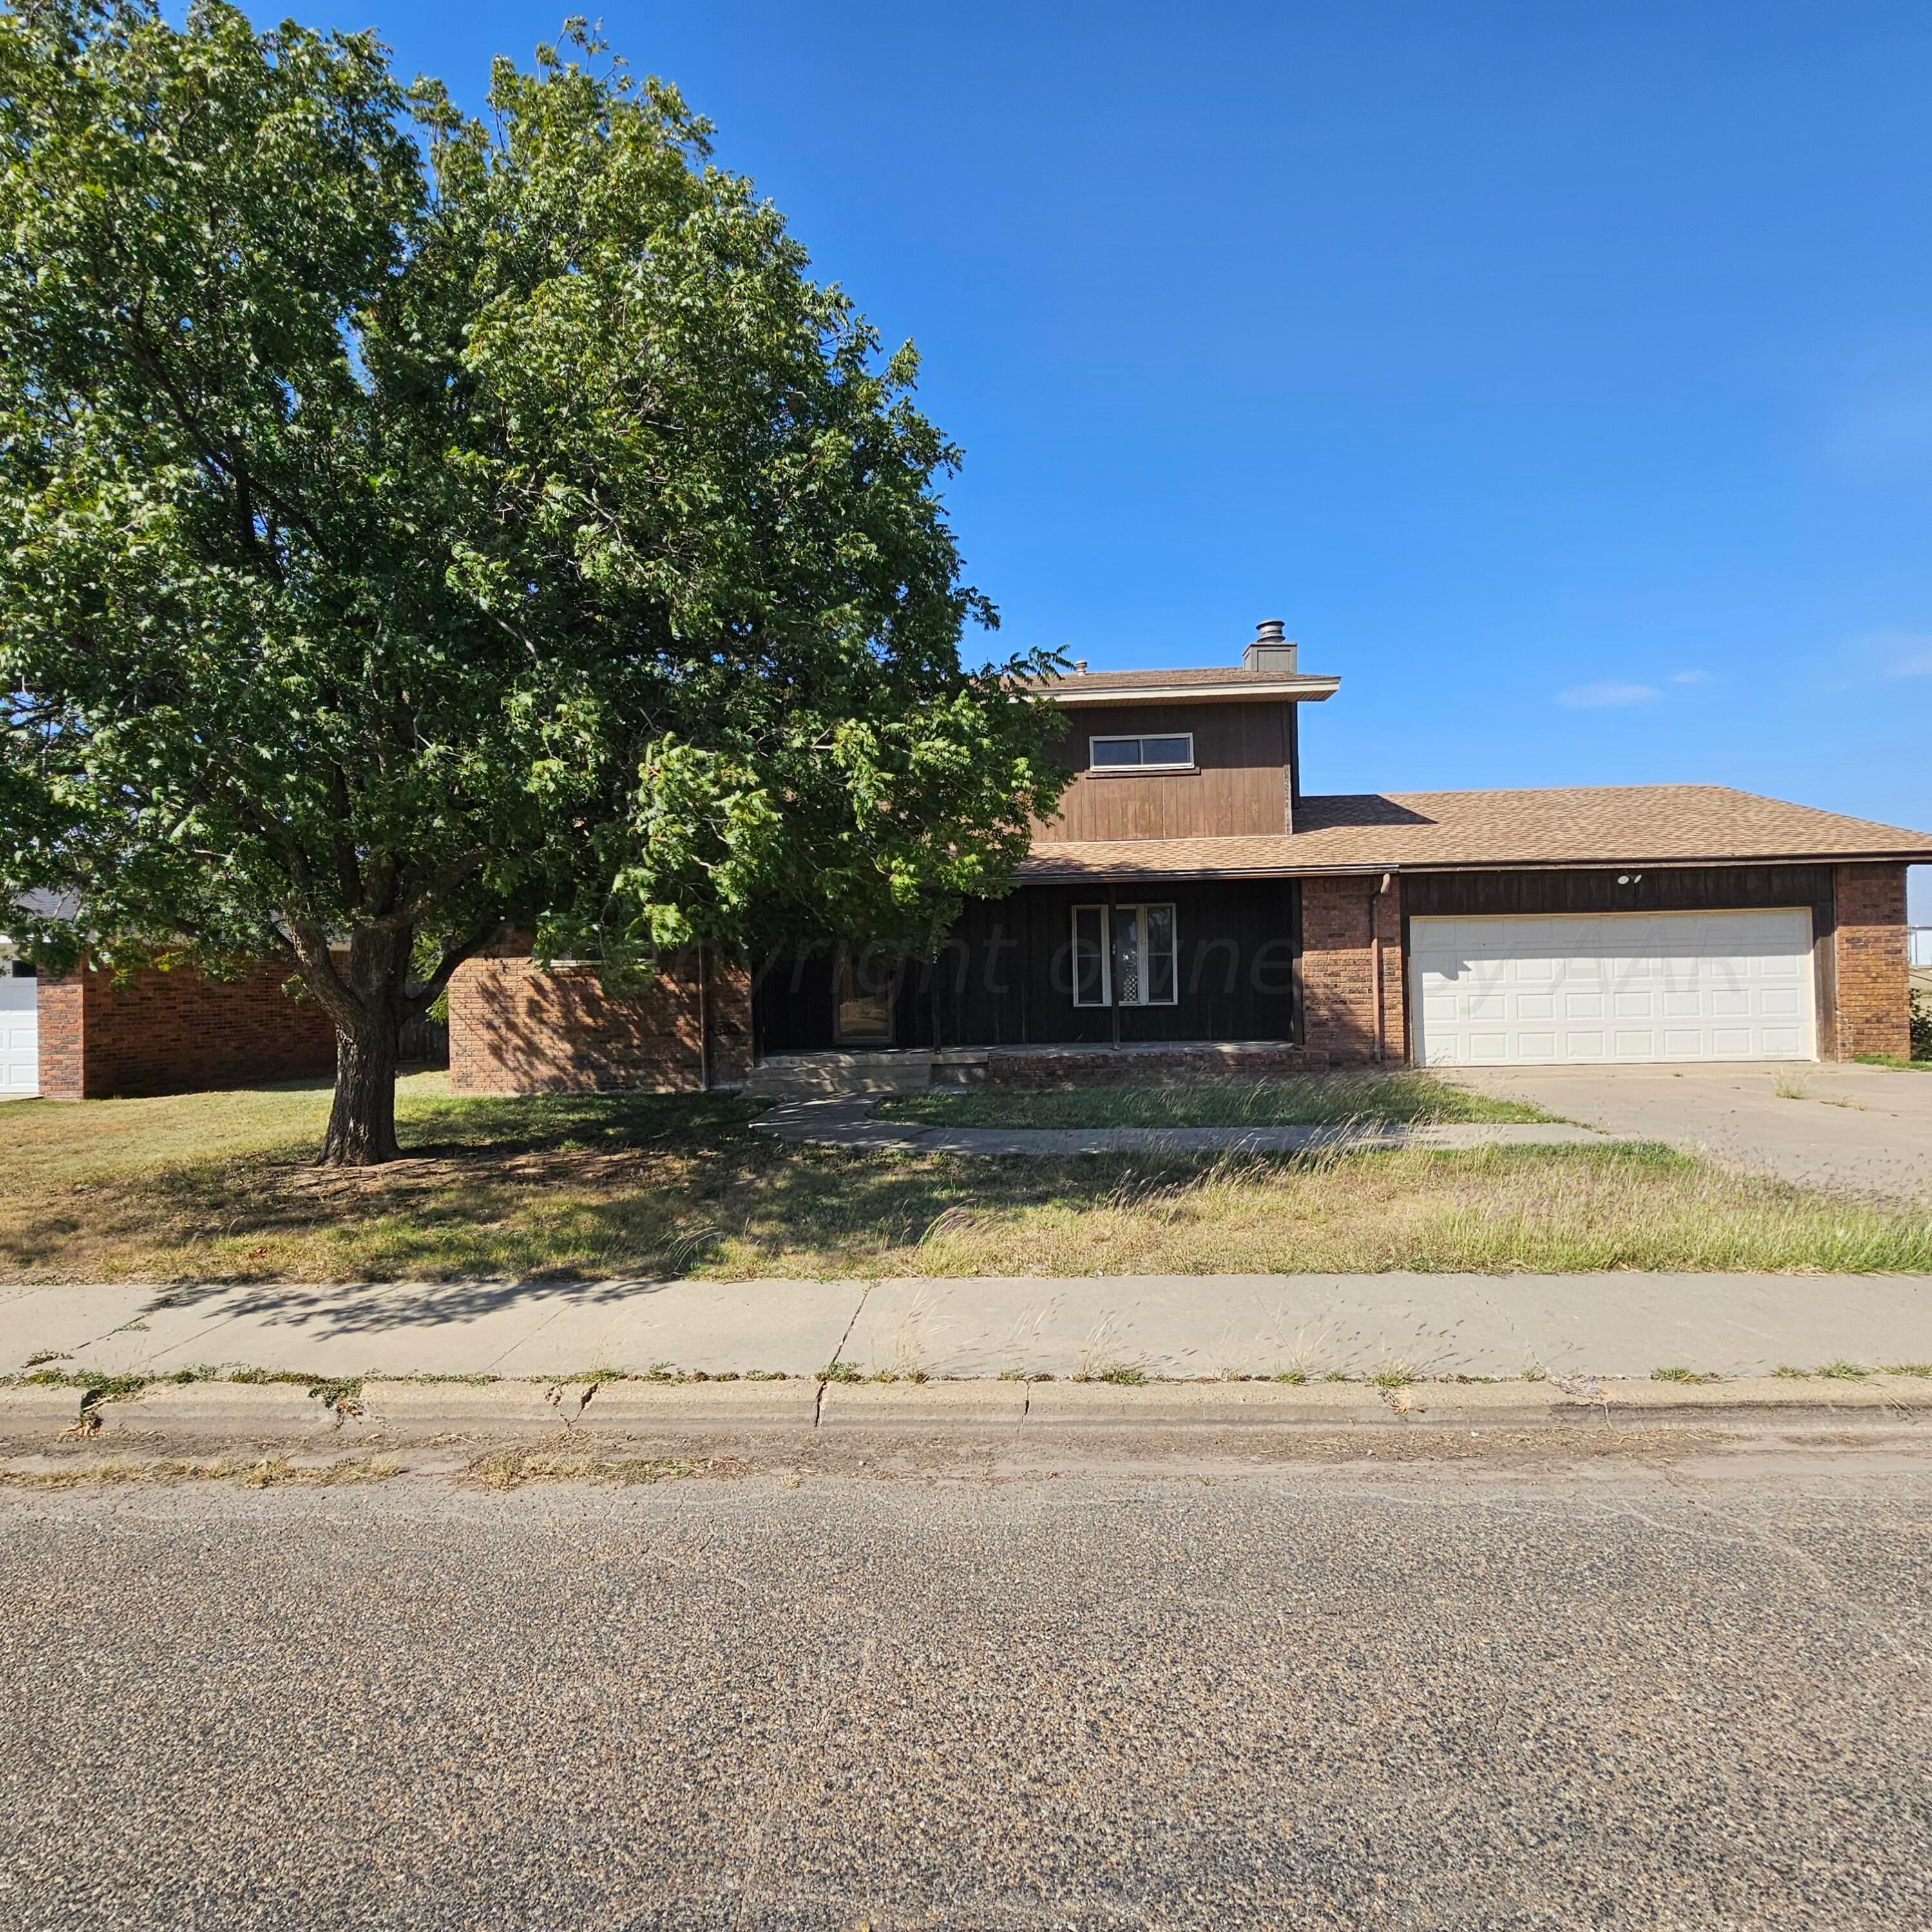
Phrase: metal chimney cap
(1271, 652)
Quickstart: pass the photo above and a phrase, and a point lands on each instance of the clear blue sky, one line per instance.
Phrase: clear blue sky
(1562, 373)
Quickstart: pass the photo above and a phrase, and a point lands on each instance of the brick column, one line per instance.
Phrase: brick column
(1874, 1006)
(63, 1024)
(1341, 921)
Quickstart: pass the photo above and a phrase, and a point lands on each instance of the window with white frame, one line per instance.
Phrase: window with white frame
(1129, 957)
(1172, 751)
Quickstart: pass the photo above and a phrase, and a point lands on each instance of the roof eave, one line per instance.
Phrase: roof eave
(1882, 857)
(1035, 871)
(1293, 690)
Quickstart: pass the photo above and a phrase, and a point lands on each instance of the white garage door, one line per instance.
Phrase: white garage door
(1611, 986)
(19, 1036)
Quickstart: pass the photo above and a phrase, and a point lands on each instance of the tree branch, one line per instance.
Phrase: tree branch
(416, 1003)
(317, 965)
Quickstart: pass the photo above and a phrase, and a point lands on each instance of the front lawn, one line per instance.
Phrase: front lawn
(220, 1186)
(1320, 1100)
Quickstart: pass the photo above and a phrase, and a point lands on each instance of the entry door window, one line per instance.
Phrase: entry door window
(864, 1010)
(1137, 968)
(1144, 955)
(1093, 977)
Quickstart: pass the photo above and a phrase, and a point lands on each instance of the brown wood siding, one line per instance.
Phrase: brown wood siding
(1241, 784)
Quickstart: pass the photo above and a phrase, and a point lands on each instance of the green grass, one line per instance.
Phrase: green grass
(1891, 1060)
(221, 1187)
(1304, 1100)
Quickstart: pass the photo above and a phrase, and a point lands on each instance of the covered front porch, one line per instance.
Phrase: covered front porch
(1052, 974)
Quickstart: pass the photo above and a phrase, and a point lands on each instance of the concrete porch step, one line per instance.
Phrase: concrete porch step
(805, 1076)
(840, 1075)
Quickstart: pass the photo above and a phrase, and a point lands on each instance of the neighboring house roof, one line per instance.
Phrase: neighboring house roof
(1572, 825)
(1192, 686)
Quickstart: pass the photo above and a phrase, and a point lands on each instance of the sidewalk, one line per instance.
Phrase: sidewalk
(848, 1122)
(1162, 1325)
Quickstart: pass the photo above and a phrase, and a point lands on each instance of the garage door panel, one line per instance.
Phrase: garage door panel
(19, 1036)
(1612, 987)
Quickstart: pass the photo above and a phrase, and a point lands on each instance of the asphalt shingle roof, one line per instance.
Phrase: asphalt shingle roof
(1600, 825)
(1088, 682)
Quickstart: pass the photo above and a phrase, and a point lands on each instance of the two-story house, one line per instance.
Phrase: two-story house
(1190, 894)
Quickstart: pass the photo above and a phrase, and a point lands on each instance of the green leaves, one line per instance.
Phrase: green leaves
(411, 525)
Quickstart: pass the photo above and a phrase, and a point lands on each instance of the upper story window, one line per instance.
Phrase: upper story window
(1174, 752)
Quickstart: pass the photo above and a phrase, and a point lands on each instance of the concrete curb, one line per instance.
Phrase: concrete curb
(789, 1404)
(941, 1407)
(33, 1406)
(218, 1408)
(1766, 1392)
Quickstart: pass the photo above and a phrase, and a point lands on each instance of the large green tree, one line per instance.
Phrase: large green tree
(412, 525)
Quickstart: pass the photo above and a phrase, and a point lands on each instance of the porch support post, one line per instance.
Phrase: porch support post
(1113, 965)
(704, 1020)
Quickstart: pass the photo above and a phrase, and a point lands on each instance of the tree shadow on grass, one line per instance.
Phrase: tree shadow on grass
(497, 1129)
(590, 1197)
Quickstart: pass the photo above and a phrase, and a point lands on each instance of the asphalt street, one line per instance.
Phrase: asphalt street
(1681, 1691)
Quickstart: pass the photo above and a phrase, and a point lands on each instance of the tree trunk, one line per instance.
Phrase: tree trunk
(362, 1123)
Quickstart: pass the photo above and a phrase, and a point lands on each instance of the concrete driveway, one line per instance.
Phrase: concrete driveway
(1866, 1128)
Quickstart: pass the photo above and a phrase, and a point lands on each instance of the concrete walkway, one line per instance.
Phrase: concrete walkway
(1867, 1129)
(848, 1122)
(1604, 1324)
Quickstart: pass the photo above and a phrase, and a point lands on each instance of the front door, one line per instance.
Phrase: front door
(863, 993)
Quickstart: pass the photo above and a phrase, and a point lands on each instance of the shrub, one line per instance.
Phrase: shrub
(1921, 1025)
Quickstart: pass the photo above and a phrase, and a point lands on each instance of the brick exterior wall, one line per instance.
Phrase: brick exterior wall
(1338, 979)
(1874, 1013)
(516, 1027)
(175, 1032)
